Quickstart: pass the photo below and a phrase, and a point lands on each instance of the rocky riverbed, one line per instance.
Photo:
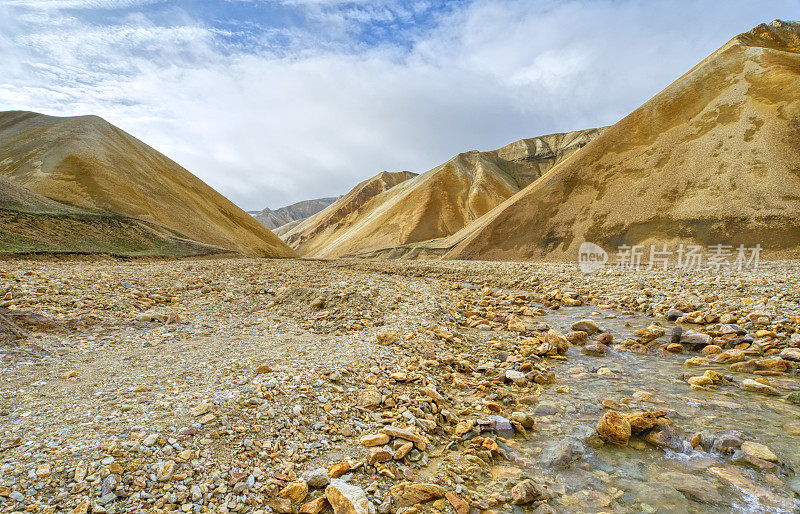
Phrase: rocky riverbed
(356, 387)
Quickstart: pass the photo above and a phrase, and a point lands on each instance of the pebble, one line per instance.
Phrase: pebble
(251, 386)
(586, 325)
(345, 498)
(751, 385)
(759, 451)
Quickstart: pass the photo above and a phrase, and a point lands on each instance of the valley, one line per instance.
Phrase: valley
(231, 384)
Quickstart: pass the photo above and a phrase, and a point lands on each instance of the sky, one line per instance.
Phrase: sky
(276, 101)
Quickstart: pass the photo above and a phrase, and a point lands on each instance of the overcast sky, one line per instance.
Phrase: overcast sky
(275, 101)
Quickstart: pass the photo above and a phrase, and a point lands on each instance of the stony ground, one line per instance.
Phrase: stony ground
(255, 385)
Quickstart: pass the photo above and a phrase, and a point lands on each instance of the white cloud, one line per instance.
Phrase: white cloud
(79, 4)
(267, 126)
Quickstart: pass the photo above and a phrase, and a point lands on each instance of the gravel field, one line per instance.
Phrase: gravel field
(253, 385)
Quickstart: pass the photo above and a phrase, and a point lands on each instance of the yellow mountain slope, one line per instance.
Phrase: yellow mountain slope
(435, 204)
(712, 159)
(87, 163)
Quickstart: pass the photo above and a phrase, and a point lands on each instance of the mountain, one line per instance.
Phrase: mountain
(295, 212)
(435, 204)
(310, 235)
(32, 223)
(712, 159)
(87, 163)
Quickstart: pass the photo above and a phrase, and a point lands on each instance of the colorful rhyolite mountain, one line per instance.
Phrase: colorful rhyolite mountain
(391, 211)
(712, 159)
(88, 165)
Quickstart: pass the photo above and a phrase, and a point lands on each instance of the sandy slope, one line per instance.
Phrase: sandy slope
(87, 163)
(311, 235)
(31, 223)
(713, 158)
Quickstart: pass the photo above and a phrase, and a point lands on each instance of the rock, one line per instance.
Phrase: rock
(725, 444)
(43, 470)
(339, 469)
(546, 408)
(577, 337)
(387, 337)
(794, 397)
(675, 335)
(641, 421)
(316, 478)
(794, 485)
(165, 470)
(198, 410)
(695, 339)
(790, 354)
(348, 499)
(664, 435)
(516, 326)
(295, 491)
(759, 451)
(419, 493)
(419, 441)
(730, 356)
(772, 364)
(645, 335)
(673, 314)
(751, 385)
(711, 349)
(401, 452)
(280, 505)
(500, 426)
(370, 397)
(562, 453)
(604, 338)
(595, 349)
(459, 505)
(105, 499)
(375, 439)
(81, 508)
(108, 485)
(738, 480)
(150, 440)
(525, 419)
(556, 341)
(696, 361)
(316, 506)
(613, 427)
(693, 486)
(378, 455)
(517, 377)
(529, 491)
(586, 325)
(731, 329)
(701, 381)
(207, 418)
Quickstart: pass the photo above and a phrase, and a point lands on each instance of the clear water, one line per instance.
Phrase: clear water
(637, 469)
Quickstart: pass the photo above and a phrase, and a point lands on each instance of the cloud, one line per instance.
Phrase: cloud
(78, 4)
(290, 100)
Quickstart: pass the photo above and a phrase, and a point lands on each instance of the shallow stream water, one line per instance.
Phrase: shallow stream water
(645, 474)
